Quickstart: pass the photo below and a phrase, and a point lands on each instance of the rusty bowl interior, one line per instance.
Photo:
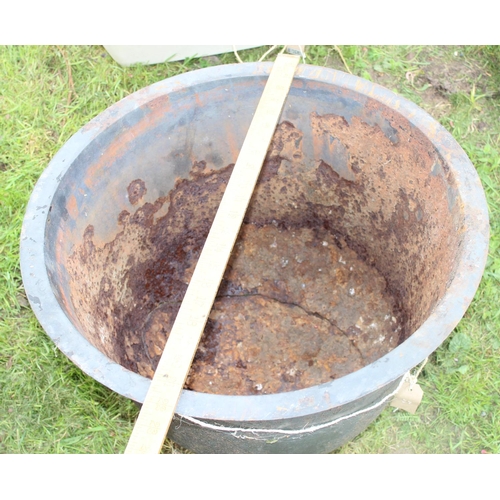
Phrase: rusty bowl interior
(368, 222)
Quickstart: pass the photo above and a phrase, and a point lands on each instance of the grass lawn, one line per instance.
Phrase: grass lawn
(47, 93)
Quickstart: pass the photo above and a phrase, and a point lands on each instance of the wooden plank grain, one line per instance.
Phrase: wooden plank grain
(166, 387)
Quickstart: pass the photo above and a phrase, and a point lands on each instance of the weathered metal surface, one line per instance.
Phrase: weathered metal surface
(305, 213)
(128, 201)
(273, 304)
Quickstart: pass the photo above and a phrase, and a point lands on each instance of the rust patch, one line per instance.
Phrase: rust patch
(330, 271)
(136, 190)
(72, 206)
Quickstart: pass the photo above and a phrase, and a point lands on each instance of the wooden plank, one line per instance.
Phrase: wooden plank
(166, 387)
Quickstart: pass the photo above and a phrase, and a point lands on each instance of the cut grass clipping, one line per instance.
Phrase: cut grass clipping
(47, 93)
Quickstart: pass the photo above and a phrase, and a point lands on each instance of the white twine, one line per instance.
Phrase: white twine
(413, 378)
(301, 47)
(238, 58)
(407, 377)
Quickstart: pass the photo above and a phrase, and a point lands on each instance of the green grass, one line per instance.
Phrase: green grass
(47, 405)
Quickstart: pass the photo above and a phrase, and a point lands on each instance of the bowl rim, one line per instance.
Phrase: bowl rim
(331, 395)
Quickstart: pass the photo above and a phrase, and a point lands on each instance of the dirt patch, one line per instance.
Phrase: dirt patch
(451, 77)
(441, 79)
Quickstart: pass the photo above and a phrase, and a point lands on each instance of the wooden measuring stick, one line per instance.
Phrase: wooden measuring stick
(166, 387)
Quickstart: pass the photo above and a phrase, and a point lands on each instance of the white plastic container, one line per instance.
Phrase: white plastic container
(126, 55)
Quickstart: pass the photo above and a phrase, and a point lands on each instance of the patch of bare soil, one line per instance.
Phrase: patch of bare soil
(452, 77)
(443, 78)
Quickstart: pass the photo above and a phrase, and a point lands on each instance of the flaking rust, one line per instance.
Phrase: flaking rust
(307, 296)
